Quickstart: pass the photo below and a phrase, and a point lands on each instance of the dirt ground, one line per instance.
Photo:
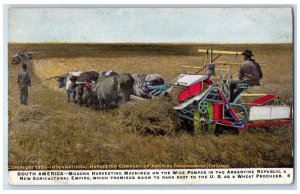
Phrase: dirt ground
(51, 132)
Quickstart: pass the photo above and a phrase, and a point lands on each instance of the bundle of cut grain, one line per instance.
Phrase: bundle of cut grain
(154, 116)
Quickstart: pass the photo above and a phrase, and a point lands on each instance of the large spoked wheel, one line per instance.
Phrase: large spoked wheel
(203, 112)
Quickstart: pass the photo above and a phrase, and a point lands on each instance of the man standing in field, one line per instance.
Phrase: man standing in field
(250, 73)
(23, 82)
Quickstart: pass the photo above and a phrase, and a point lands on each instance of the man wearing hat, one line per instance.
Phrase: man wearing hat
(250, 73)
(23, 82)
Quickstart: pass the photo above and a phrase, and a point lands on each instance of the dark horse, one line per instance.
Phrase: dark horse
(21, 57)
(89, 76)
(64, 81)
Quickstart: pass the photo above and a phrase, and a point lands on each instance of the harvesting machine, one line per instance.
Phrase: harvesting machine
(204, 99)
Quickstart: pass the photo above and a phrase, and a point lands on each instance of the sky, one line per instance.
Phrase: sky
(151, 25)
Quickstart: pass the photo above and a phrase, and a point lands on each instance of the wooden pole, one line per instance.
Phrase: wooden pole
(220, 52)
(173, 76)
(200, 70)
(234, 57)
(221, 66)
(235, 74)
(211, 54)
(192, 67)
(206, 57)
(219, 55)
(230, 63)
(133, 97)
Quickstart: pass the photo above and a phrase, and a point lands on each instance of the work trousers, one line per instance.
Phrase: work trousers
(23, 93)
(234, 92)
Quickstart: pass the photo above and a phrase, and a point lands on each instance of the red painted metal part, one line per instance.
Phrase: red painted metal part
(218, 117)
(191, 91)
(265, 124)
(231, 111)
(263, 100)
(208, 81)
(218, 111)
(225, 122)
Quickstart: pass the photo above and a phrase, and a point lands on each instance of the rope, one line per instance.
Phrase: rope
(40, 82)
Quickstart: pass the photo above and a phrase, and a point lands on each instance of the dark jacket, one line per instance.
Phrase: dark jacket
(250, 72)
(23, 78)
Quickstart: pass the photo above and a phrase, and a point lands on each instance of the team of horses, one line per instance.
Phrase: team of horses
(106, 89)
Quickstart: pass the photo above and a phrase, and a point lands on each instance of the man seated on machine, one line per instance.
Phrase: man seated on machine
(250, 73)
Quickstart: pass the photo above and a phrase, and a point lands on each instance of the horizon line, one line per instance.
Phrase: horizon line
(70, 42)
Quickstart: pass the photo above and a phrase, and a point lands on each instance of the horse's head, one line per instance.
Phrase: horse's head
(61, 81)
(15, 60)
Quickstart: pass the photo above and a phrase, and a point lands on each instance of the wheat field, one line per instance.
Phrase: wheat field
(51, 132)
